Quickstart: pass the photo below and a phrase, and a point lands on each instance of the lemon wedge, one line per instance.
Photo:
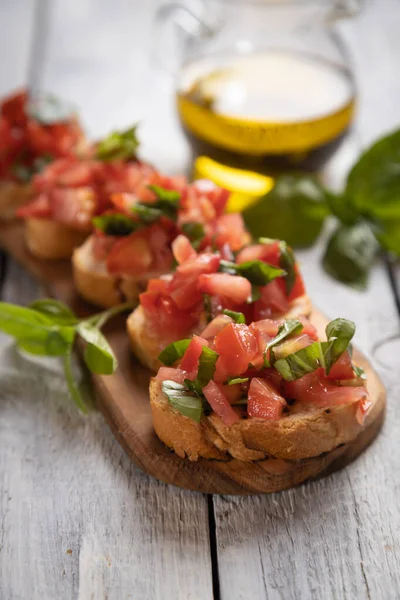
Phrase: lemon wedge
(246, 187)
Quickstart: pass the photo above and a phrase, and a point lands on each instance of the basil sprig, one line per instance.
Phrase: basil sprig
(238, 317)
(173, 352)
(119, 145)
(49, 328)
(188, 404)
(318, 354)
(257, 272)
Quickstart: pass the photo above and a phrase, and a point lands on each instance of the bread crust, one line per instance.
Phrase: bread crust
(304, 432)
(12, 196)
(146, 346)
(52, 240)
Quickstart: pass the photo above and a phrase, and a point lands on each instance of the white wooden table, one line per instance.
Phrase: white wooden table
(77, 519)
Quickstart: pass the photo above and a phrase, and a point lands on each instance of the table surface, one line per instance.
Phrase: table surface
(77, 519)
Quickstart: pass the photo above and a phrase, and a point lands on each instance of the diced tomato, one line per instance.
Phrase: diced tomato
(268, 326)
(182, 249)
(363, 407)
(230, 230)
(164, 317)
(74, 207)
(203, 263)
(268, 253)
(234, 287)
(291, 345)
(190, 360)
(78, 174)
(308, 328)
(124, 202)
(237, 346)
(39, 208)
(171, 374)
(342, 368)
(13, 108)
(215, 326)
(299, 288)
(218, 196)
(102, 245)
(184, 292)
(272, 301)
(264, 402)
(220, 404)
(158, 286)
(131, 255)
(315, 388)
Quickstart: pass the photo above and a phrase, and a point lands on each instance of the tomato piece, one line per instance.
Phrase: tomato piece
(237, 346)
(13, 109)
(230, 229)
(272, 301)
(299, 289)
(102, 245)
(158, 286)
(77, 174)
(215, 326)
(184, 292)
(130, 255)
(182, 249)
(315, 388)
(219, 403)
(269, 253)
(171, 374)
(342, 369)
(165, 318)
(363, 407)
(39, 208)
(308, 328)
(234, 287)
(74, 207)
(203, 263)
(190, 360)
(264, 402)
(268, 326)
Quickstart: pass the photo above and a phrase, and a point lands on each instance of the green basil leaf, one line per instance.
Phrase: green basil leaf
(119, 145)
(207, 361)
(294, 210)
(195, 233)
(166, 196)
(359, 372)
(72, 386)
(304, 361)
(149, 213)
(173, 352)
(238, 317)
(287, 262)
(340, 332)
(57, 311)
(115, 224)
(98, 355)
(289, 327)
(256, 271)
(51, 344)
(49, 109)
(350, 253)
(188, 405)
(235, 380)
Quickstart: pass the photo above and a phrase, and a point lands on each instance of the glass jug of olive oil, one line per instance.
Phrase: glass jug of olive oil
(262, 84)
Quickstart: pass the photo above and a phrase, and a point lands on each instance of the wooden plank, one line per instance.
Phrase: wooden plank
(335, 538)
(77, 518)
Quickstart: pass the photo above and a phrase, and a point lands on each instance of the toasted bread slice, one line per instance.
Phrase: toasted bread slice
(97, 286)
(146, 346)
(305, 431)
(52, 240)
(13, 196)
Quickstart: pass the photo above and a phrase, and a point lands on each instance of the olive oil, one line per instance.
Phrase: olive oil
(266, 111)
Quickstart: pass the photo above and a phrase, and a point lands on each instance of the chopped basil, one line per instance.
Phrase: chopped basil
(166, 205)
(195, 233)
(147, 213)
(115, 224)
(173, 352)
(318, 354)
(359, 372)
(288, 328)
(165, 195)
(238, 317)
(287, 261)
(235, 380)
(119, 145)
(188, 405)
(207, 361)
(256, 271)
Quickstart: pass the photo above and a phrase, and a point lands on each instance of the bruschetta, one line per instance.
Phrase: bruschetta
(271, 389)
(208, 288)
(29, 140)
(134, 245)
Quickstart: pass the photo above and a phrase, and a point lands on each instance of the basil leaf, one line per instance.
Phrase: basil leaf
(359, 372)
(294, 210)
(173, 352)
(188, 405)
(238, 317)
(119, 145)
(52, 344)
(235, 380)
(287, 262)
(48, 109)
(207, 361)
(256, 271)
(350, 253)
(166, 196)
(148, 213)
(194, 232)
(115, 224)
(72, 386)
(288, 328)
(57, 311)
(98, 355)
(340, 332)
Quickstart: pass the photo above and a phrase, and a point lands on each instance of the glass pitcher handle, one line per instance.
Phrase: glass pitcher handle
(175, 25)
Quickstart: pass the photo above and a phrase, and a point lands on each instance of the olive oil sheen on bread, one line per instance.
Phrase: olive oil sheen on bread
(273, 109)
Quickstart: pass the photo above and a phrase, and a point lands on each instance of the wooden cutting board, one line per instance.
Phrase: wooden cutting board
(123, 399)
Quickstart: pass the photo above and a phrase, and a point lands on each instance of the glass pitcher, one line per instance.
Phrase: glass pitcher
(261, 84)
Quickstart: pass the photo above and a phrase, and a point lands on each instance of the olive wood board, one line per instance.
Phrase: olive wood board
(124, 401)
